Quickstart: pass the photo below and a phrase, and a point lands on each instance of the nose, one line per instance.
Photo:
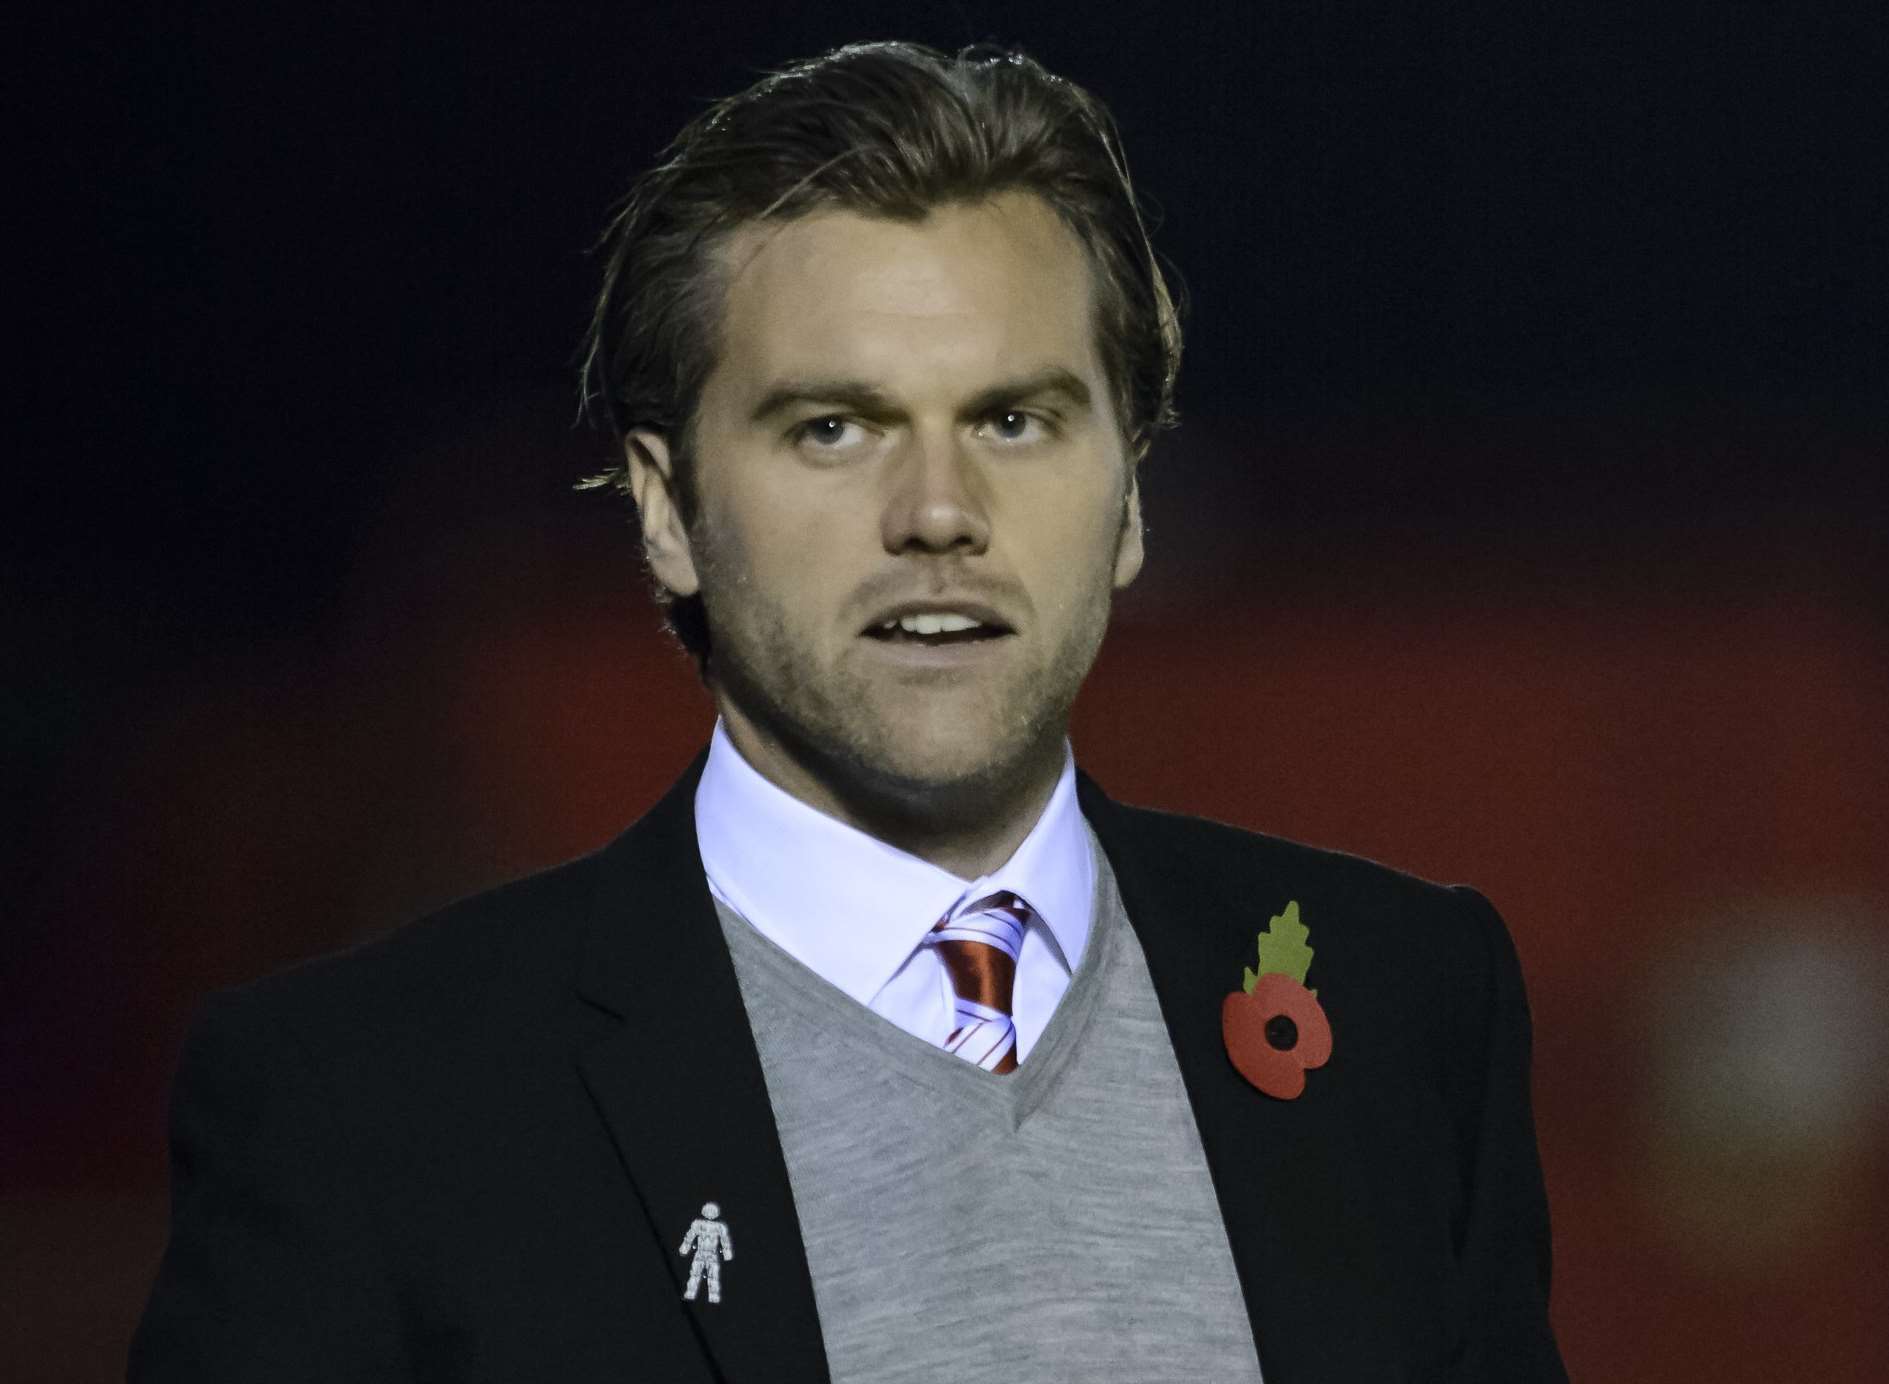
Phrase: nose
(938, 502)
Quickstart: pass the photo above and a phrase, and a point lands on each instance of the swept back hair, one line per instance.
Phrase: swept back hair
(889, 130)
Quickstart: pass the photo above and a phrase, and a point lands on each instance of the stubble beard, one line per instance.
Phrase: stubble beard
(967, 760)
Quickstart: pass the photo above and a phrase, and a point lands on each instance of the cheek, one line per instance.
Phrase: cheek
(793, 558)
(1091, 539)
(1072, 568)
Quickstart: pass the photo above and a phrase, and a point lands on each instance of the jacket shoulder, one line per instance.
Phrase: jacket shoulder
(1213, 854)
(490, 962)
(1412, 943)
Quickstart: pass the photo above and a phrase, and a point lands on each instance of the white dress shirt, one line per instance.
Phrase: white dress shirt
(854, 910)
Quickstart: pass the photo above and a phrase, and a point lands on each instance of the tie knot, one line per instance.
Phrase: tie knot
(996, 920)
(979, 944)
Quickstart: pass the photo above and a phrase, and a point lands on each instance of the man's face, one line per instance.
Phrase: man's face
(907, 423)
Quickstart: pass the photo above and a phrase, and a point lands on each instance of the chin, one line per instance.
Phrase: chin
(944, 769)
(956, 771)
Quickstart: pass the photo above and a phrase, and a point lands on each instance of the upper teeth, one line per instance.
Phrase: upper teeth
(932, 624)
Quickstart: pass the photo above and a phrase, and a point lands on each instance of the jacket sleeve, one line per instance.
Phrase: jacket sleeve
(1505, 1249)
(272, 1271)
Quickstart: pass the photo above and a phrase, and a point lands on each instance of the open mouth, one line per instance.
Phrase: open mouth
(983, 633)
(936, 631)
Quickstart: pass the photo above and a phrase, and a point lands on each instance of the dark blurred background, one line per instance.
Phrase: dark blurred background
(1525, 528)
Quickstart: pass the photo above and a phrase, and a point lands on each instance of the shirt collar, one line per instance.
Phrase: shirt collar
(852, 908)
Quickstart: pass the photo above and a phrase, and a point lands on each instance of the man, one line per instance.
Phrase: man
(883, 992)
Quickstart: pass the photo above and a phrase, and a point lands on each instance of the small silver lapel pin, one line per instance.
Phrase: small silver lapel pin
(708, 1238)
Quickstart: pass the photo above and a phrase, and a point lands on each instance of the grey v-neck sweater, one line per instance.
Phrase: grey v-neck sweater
(1055, 1224)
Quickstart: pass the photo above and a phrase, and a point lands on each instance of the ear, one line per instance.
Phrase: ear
(665, 536)
(1128, 553)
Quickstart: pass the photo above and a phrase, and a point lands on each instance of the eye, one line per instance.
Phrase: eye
(1017, 427)
(827, 433)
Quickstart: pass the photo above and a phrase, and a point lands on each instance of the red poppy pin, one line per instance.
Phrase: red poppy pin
(1275, 1029)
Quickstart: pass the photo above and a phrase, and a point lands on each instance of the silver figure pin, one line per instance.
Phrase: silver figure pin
(712, 1246)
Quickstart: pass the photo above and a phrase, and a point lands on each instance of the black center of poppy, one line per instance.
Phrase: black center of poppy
(1282, 1033)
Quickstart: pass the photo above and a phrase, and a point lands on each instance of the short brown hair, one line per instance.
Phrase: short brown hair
(882, 129)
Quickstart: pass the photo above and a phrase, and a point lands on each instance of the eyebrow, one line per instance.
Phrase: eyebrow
(872, 402)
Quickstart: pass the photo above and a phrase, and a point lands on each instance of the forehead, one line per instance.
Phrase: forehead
(976, 288)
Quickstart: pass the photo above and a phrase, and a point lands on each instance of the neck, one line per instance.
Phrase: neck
(965, 828)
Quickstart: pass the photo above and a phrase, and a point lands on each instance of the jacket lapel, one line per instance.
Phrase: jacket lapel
(681, 1092)
(1287, 1173)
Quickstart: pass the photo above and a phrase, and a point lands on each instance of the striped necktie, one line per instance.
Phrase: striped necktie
(979, 944)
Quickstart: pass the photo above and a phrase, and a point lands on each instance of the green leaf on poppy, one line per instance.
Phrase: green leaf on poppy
(1282, 949)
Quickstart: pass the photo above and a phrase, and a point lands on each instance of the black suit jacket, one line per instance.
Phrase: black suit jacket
(472, 1150)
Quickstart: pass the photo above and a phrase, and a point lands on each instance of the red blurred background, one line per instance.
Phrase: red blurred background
(1669, 773)
(1525, 529)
